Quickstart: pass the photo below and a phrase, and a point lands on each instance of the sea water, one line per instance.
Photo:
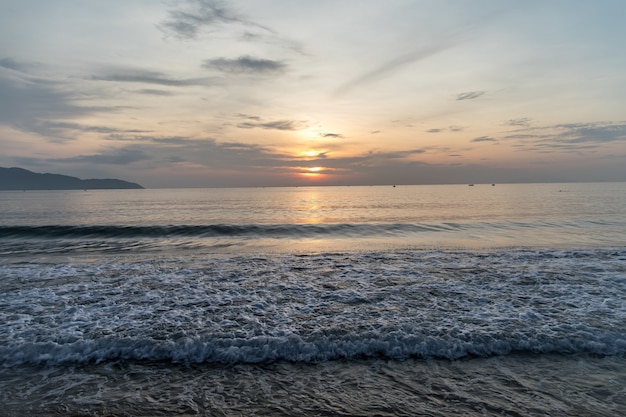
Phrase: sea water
(410, 300)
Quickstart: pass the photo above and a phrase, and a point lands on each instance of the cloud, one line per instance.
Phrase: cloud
(197, 15)
(154, 92)
(250, 160)
(247, 116)
(470, 95)
(61, 126)
(121, 156)
(29, 103)
(450, 128)
(522, 122)
(245, 65)
(331, 135)
(12, 64)
(592, 132)
(484, 139)
(380, 157)
(134, 75)
(568, 137)
(387, 68)
(168, 149)
(278, 125)
(429, 47)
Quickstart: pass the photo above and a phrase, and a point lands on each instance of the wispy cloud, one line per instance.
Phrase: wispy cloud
(592, 132)
(427, 49)
(449, 128)
(155, 92)
(32, 103)
(277, 124)
(195, 16)
(471, 95)
(168, 149)
(568, 136)
(12, 64)
(245, 65)
(121, 156)
(247, 116)
(69, 126)
(331, 135)
(388, 67)
(484, 139)
(135, 75)
(521, 122)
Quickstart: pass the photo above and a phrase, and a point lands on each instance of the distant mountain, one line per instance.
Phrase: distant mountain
(22, 179)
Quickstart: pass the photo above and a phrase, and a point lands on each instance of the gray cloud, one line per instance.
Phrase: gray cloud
(121, 156)
(450, 128)
(247, 116)
(379, 157)
(12, 64)
(245, 65)
(29, 103)
(568, 137)
(154, 150)
(198, 15)
(134, 75)
(592, 132)
(154, 92)
(470, 95)
(278, 125)
(484, 139)
(54, 125)
(522, 122)
(571, 133)
(331, 135)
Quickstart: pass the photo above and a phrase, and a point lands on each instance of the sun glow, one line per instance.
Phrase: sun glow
(311, 172)
(311, 153)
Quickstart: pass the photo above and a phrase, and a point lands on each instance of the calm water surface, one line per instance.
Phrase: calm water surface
(329, 218)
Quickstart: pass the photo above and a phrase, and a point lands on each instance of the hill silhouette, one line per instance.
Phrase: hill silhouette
(23, 179)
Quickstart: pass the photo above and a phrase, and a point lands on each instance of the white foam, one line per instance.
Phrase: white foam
(319, 307)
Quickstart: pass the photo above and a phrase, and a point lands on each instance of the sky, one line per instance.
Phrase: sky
(210, 93)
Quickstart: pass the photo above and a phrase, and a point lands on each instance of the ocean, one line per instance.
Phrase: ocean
(447, 300)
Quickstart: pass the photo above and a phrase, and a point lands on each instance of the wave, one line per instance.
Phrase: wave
(217, 230)
(314, 307)
(294, 348)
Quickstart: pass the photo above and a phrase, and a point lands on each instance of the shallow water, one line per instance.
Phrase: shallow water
(512, 385)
